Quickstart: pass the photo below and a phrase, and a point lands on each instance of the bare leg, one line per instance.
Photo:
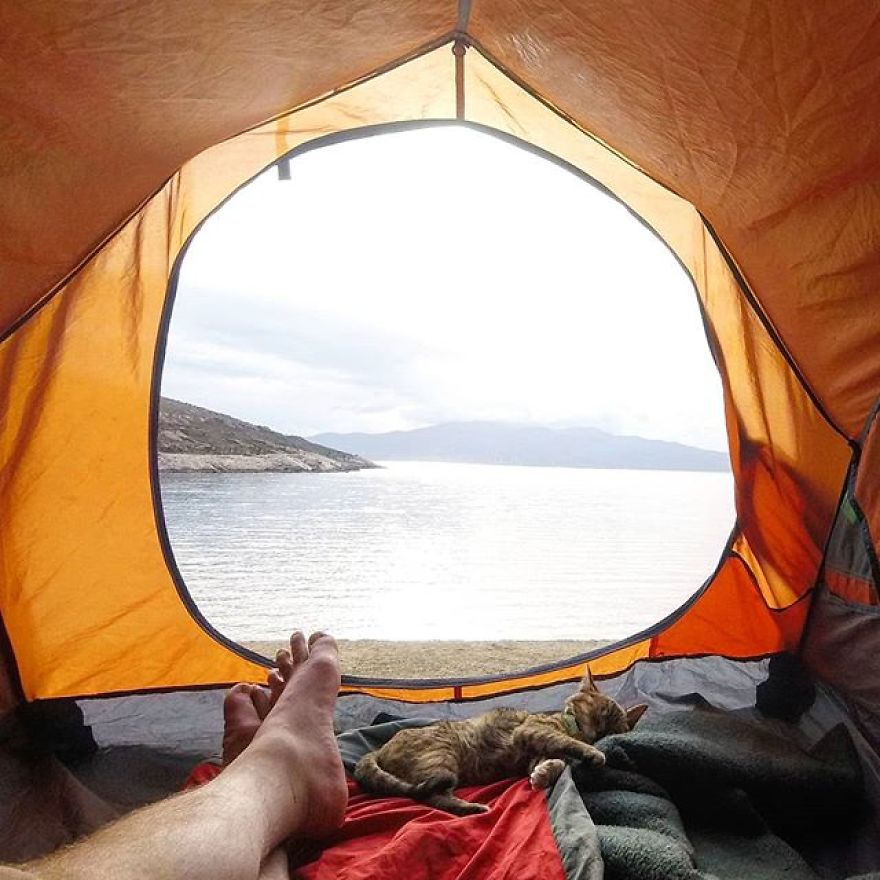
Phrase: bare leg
(288, 781)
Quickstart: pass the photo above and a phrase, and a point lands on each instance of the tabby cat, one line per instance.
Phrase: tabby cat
(428, 763)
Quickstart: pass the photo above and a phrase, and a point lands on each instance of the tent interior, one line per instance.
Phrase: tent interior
(738, 134)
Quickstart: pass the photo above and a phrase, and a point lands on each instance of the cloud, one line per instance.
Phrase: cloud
(346, 303)
(277, 328)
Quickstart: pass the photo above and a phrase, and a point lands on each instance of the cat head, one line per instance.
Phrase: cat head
(597, 715)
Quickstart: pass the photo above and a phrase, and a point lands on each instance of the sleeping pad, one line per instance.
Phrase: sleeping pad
(688, 794)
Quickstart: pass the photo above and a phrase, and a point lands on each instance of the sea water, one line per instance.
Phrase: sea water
(425, 550)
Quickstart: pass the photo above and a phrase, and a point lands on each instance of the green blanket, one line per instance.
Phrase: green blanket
(702, 793)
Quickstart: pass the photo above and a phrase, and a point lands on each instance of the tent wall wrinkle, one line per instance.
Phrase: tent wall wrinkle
(77, 384)
(756, 113)
(108, 100)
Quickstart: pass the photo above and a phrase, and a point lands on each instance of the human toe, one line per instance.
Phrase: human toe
(284, 662)
(299, 650)
(262, 701)
(238, 703)
(321, 644)
(276, 684)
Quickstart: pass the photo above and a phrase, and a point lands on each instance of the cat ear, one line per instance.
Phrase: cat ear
(587, 683)
(633, 714)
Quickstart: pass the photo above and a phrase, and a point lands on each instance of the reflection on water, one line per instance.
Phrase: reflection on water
(440, 551)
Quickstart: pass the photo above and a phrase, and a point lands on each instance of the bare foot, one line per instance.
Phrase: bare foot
(293, 751)
(244, 709)
(246, 705)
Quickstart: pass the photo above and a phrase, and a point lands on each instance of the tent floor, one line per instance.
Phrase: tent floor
(147, 746)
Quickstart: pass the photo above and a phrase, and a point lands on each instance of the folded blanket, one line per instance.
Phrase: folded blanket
(695, 754)
(725, 786)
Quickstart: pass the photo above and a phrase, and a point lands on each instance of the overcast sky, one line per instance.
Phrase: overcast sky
(438, 275)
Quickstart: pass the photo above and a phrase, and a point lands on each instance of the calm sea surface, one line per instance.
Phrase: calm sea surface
(459, 551)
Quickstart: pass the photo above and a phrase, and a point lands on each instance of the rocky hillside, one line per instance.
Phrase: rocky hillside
(195, 439)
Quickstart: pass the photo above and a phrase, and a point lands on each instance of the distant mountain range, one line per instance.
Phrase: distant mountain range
(501, 443)
(192, 438)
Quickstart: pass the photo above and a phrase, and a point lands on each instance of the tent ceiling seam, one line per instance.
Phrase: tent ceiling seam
(445, 39)
(459, 47)
(464, 15)
(557, 111)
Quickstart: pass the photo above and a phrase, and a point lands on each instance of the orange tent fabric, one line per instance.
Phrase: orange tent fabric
(739, 133)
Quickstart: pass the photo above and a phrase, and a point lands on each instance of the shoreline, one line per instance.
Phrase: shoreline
(267, 463)
(378, 658)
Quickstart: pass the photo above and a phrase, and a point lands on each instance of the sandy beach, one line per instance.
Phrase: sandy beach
(444, 659)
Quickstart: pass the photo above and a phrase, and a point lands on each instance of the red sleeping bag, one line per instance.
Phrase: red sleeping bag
(395, 838)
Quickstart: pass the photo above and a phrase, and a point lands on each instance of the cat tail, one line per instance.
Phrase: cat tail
(446, 800)
(369, 775)
(436, 791)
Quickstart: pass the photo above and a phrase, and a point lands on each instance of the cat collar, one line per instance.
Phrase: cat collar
(571, 725)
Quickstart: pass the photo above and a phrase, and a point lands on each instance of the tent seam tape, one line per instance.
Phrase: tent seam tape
(768, 325)
(355, 688)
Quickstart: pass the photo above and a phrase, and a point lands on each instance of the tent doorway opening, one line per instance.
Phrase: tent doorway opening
(521, 357)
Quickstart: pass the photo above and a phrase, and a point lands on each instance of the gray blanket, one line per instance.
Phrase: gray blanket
(702, 793)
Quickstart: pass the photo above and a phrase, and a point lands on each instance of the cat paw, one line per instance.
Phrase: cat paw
(590, 755)
(546, 773)
(473, 809)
